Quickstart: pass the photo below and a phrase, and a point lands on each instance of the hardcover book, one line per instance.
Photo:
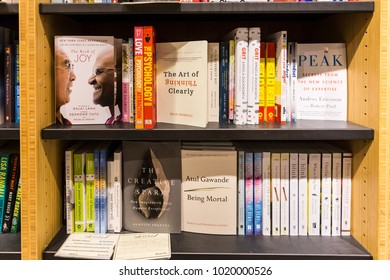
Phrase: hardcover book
(138, 76)
(322, 82)
(209, 191)
(85, 79)
(152, 184)
(182, 79)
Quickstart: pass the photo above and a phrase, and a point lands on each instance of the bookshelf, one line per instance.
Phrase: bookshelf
(362, 25)
(10, 244)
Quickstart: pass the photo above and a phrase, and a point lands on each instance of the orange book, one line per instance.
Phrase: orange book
(149, 77)
(138, 76)
(269, 105)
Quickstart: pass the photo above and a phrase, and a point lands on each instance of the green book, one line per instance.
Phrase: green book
(79, 190)
(90, 190)
(15, 225)
(4, 169)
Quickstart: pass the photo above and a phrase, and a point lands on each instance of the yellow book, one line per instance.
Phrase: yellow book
(269, 108)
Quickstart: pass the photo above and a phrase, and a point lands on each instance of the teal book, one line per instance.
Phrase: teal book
(4, 171)
(15, 225)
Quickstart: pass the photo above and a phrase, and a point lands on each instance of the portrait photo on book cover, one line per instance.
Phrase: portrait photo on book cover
(85, 80)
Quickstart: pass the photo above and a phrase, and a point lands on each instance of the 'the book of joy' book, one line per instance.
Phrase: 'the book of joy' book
(152, 182)
(182, 83)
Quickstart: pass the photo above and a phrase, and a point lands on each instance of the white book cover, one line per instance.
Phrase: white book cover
(110, 196)
(322, 82)
(209, 191)
(326, 193)
(314, 194)
(266, 193)
(253, 75)
(117, 186)
(182, 79)
(294, 194)
(213, 82)
(280, 38)
(336, 193)
(84, 80)
(303, 195)
(292, 57)
(240, 36)
(346, 195)
(284, 194)
(275, 193)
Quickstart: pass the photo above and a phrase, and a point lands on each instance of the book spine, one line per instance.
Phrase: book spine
(253, 75)
(96, 158)
(4, 169)
(232, 80)
(9, 88)
(262, 82)
(269, 103)
(284, 194)
(336, 193)
(346, 194)
(79, 192)
(314, 194)
(241, 192)
(241, 76)
(302, 190)
(213, 82)
(266, 193)
(69, 198)
(117, 199)
(275, 192)
(326, 194)
(17, 84)
(257, 192)
(293, 76)
(125, 82)
(12, 188)
(110, 196)
(90, 191)
(149, 77)
(138, 77)
(294, 194)
(224, 82)
(15, 225)
(249, 193)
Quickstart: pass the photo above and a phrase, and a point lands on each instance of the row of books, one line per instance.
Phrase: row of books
(9, 77)
(241, 79)
(10, 188)
(246, 188)
(221, 1)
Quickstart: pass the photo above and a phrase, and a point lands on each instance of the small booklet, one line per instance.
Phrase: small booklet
(145, 246)
(88, 246)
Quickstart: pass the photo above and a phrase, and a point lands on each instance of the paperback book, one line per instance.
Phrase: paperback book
(152, 182)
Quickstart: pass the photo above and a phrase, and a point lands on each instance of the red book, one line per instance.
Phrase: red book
(138, 77)
(149, 77)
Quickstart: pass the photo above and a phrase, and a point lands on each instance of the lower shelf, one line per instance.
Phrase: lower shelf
(201, 246)
(10, 247)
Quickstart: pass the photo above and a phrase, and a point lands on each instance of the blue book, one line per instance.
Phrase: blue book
(97, 189)
(249, 215)
(16, 83)
(224, 82)
(257, 192)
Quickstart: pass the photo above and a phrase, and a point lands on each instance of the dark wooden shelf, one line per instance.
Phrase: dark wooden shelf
(202, 246)
(10, 131)
(10, 246)
(207, 8)
(302, 130)
(9, 9)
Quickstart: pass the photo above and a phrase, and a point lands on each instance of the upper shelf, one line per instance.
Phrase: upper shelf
(302, 130)
(8, 9)
(208, 8)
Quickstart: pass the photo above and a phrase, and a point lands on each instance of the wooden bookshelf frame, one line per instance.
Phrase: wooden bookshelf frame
(366, 35)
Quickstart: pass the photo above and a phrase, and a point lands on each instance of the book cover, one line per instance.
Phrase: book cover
(149, 77)
(9, 84)
(292, 57)
(213, 82)
(79, 190)
(90, 190)
(12, 189)
(284, 193)
(17, 83)
(224, 81)
(152, 186)
(322, 82)
(138, 76)
(85, 80)
(241, 37)
(96, 157)
(253, 75)
(258, 192)
(232, 77)
(117, 190)
(275, 192)
(303, 159)
(4, 171)
(314, 192)
(126, 76)
(262, 88)
(346, 194)
(15, 224)
(5, 36)
(269, 103)
(293, 193)
(209, 191)
(280, 39)
(110, 194)
(240, 191)
(182, 79)
(249, 195)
